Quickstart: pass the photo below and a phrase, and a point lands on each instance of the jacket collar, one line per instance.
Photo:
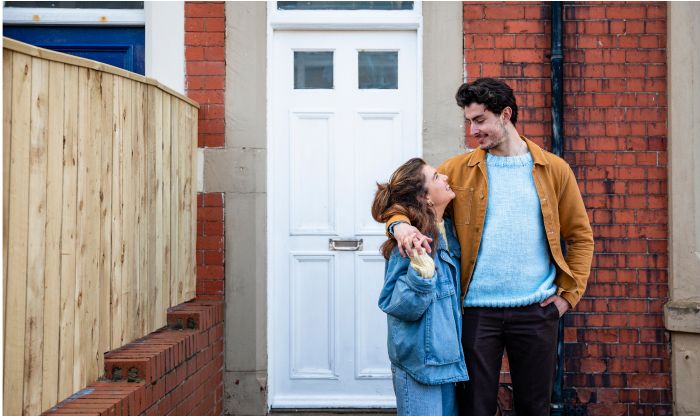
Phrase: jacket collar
(538, 157)
(452, 242)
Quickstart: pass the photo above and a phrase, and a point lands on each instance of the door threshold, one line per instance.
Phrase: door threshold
(331, 412)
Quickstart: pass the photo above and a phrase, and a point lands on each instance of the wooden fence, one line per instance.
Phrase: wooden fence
(99, 217)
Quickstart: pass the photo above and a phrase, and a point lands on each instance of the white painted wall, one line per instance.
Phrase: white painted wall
(165, 42)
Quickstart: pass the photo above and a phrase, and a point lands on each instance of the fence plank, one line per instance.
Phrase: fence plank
(193, 203)
(88, 224)
(91, 297)
(81, 267)
(184, 189)
(175, 270)
(182, 215)
(191, 139)
(105, 105)
(185, 157)
(34, 336)
(68, 235)
(129, 291)
(118, 242)
(54, 196)
(159, 306)
(167, 246)
(16, 295)
(149, 205)
(6, 149)
(142, 214)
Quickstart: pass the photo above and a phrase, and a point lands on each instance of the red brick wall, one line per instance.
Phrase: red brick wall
(617, 351)
(210, 246)
(205, 36)
(205, 25)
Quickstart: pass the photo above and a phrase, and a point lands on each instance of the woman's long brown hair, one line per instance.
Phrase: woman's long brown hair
(405, 193)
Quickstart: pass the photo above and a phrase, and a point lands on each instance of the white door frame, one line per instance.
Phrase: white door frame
(324, 20)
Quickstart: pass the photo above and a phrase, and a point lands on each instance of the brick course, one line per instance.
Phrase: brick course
(617, 351)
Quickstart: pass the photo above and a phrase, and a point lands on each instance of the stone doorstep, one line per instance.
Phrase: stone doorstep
(331, 412)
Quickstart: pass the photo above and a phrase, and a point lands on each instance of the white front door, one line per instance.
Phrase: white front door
(343, 115)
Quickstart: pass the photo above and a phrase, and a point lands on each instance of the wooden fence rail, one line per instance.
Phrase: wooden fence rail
(99, 217)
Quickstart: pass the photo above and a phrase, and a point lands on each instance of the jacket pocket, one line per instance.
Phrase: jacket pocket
(463, 205)
(442, 344)
(402, 340)
(444, 286)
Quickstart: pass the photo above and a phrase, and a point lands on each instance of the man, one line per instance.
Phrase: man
(515, 203)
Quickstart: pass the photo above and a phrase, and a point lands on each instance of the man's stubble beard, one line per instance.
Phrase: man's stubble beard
(500, 139)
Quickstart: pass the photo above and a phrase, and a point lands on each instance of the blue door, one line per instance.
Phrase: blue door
(123, 47)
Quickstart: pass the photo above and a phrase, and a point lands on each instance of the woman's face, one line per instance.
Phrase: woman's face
(439, 192)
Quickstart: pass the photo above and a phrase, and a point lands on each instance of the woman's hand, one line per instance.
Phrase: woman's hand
(410, 240)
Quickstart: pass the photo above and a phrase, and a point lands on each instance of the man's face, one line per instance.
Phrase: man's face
(487, 128)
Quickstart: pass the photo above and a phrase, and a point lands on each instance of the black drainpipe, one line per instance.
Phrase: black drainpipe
(557, 80)
(557, 406)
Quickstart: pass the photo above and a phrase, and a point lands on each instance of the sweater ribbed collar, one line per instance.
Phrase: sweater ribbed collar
(538, 154)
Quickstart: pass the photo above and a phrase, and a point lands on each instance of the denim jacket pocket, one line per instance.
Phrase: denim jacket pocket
(442, 344)
(402, 339)
(444, 287)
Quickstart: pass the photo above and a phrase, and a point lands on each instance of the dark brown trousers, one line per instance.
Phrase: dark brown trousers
(529, 335)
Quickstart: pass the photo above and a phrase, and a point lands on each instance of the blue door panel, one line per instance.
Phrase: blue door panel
(123, 47)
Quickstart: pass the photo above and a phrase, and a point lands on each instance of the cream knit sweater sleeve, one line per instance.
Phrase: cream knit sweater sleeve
(423, 263)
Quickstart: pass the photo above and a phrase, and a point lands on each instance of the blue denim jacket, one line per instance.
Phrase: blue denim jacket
(424, 316)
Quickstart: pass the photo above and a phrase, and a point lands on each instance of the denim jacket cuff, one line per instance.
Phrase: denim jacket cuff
(418, 283)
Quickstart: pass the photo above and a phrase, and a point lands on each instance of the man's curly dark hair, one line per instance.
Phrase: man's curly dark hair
(493, 93)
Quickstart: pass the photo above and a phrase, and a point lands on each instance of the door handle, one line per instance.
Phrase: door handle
(345, 244)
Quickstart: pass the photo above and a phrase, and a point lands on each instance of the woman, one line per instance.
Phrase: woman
(421, 294)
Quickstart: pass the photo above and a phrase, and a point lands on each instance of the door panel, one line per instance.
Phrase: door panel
(311, 174)
(371, 360)
(312, 346)
(380, 132)
(331, 141)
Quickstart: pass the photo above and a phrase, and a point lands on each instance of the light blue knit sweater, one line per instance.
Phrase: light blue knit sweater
(513, 267)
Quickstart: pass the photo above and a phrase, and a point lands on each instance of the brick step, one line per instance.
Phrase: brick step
(176, 367)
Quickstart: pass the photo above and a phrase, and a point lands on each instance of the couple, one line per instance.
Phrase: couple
(485, 266)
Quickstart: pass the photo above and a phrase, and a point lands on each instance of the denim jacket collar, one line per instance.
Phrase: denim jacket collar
(452, 242)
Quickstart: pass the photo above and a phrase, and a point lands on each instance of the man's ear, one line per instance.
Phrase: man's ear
(506, 113)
